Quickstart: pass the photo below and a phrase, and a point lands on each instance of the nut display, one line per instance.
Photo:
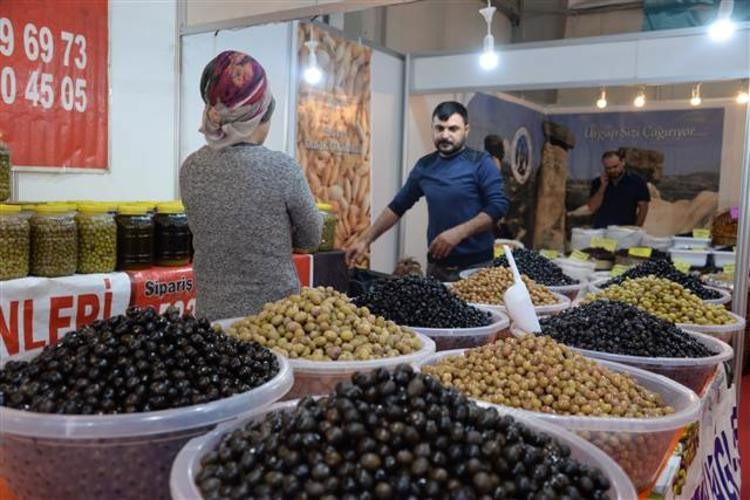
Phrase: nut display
(487, 286)
(54, 241)
(137, 362)
(538, 374)
(666, 299)
(14, 243)
(619, 328)
(97, 240)
(537, 267)
(393, 435)
(421, 302)
(322, 324)
(664, 268)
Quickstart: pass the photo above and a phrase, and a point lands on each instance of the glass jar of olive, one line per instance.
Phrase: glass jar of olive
(5, 180)
(54, 241)
(329, 227)
(135, 238)
(172, 237)
(14, 243)
(97, 239)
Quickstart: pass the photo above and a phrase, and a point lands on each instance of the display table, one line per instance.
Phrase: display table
(35, 312)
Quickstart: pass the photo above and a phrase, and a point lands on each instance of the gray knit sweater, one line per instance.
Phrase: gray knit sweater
(248, 207)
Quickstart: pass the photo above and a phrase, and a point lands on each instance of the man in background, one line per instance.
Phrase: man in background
(618, 197)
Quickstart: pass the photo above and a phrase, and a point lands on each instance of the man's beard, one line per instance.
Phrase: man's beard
(448, 148)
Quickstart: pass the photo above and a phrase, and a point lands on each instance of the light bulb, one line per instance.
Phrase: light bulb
(696, 100)
(721, 30)
(639, 101)
(313, 74)
(743, 97)
(601, 103)
(489, 60)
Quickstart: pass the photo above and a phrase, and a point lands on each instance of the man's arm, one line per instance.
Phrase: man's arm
(642, 213)
(446, 241)
(597, 194)
(386, 220)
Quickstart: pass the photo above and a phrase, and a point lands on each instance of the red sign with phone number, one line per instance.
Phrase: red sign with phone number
(53, 82)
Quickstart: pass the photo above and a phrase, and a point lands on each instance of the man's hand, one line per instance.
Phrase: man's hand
(443, 245)
(355, 252)
(604, 179)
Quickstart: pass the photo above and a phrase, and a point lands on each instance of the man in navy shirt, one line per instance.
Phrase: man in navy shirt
(618, 198)
(465, 198)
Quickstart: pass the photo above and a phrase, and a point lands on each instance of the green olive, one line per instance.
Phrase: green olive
(54, 245)
(14, 247)
(97, 243)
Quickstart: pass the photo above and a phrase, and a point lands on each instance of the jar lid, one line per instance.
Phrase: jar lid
(54, 208)
(132, 209)
(326, 207)
(174, 207)
(9, 209)
(94, 208)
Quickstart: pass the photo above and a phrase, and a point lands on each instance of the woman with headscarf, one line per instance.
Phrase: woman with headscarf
(248, 206)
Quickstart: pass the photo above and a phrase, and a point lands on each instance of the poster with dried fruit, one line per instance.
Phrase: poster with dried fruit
(333, 129)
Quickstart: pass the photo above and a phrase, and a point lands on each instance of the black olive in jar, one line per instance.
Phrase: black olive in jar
(172, 237)
(135, 238)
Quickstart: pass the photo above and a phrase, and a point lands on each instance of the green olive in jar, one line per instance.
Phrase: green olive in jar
(54, 241)
(14, 243)
(97, 239)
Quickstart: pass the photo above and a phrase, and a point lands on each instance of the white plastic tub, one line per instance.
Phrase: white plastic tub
(722, 258)
(462, 338)
(725, 333)
(638, 445)
(312, 378)
(188, 463)
(694, 257)
(570, 291)
(625, 236)
(576, 269)
(580, 238)
(563, 303)
(690, 242)
(657, 242)
(50, 456)
(726, 297)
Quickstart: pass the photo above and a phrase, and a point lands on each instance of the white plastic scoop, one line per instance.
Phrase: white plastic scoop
(518, 301)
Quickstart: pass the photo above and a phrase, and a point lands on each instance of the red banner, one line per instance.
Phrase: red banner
(162, 287)
(53, 82)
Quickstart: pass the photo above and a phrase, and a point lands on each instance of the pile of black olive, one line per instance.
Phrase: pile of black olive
(537, 267)
(662, 268)
(421, 302)
(388, 435)
(619, 328)
(136, 362)
(599, 253)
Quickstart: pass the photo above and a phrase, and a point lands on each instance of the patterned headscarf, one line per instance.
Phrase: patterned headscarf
(237, 96)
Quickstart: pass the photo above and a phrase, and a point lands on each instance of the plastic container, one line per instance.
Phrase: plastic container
(97, 239)
(576, 269)
(135, 238)
(625, 236)
(563, 303)
(580, 238)
(721, 258)
(657, 242)
(54, 241)
(570, 291)
(188, 463)
(463, 338)
(328, 236)
(696, 258)
(638, 445)
(726, 297)
(5, 181)
(686, 242)
(725, 333)
(312, 378)
(14, 243)
(171, 235)
(50, 456)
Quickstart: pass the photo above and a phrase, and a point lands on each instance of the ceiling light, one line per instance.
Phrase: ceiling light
(601, 103)
(695, 96)
(723, 27)
(312, 74)
(743, 97)
(640, 99)
(489, 59)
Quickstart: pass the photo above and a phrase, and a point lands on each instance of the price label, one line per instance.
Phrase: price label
(682, 266)
(550, 254)
(578, 255)
(618, 270)
(644, 252)
(605, 243)
(53, 80)
(703, 234)
(498, 251)
(729, 268)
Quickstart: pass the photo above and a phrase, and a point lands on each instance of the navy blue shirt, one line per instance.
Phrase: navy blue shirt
(619, 207)
(457, 189)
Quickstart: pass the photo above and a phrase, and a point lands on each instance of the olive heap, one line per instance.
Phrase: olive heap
(666, 299)
(54, 246)
(487, 286)
(322, 324)
(664, 268)
(537, 267)
(421, 302)
(136, 362)
(393, 435)
(97, 244)
(14, 247)
(619, 328)
(539, 374)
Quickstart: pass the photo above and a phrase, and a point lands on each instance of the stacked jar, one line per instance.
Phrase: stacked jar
(5, 180)
(14, 243)
(330, 221)
(54, 241)
(172, 235)
(135, 238)
(97, 239)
